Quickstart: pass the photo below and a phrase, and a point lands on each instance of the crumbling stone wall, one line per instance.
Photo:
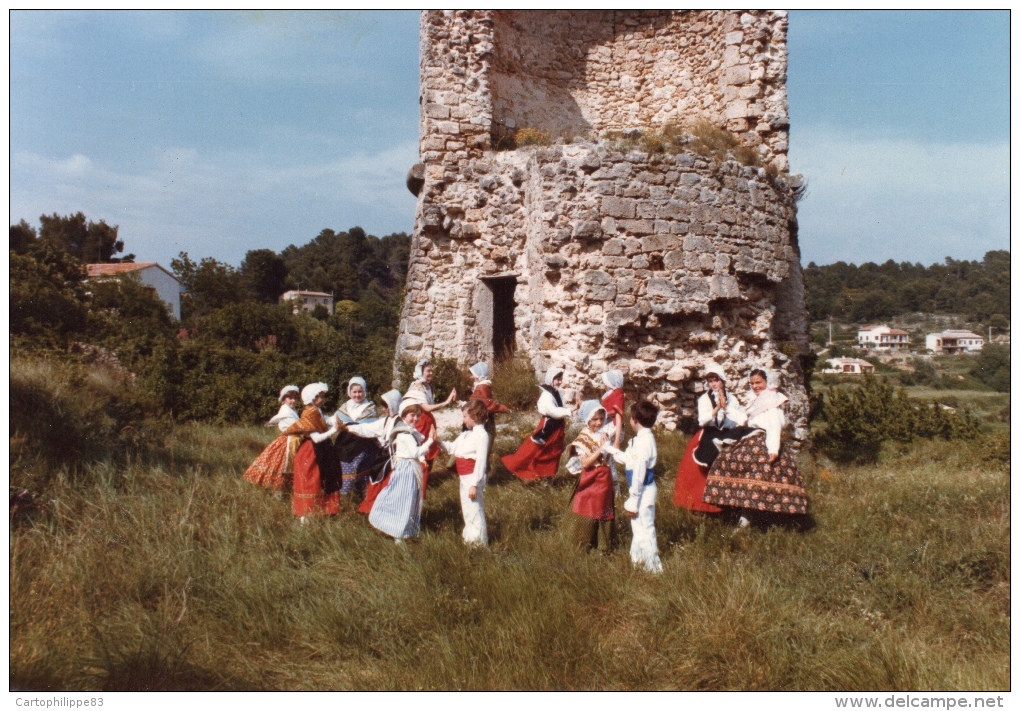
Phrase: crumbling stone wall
(653, 264)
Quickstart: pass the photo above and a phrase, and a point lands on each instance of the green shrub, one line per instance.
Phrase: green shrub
(514, 383)
(69, 415)
(992, 367)
(860, 418)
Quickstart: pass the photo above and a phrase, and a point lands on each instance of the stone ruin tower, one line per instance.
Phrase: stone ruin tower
(596, 250)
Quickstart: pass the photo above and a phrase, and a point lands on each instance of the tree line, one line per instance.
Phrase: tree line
(871, 292)
(235, 344)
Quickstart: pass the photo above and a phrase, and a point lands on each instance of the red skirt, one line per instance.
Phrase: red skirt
(371, 492)
(690, 481)
(593, 497)
(536, 461)
(426, 421)
(309, 498)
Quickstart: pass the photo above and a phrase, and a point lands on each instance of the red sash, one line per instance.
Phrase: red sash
(465, 466)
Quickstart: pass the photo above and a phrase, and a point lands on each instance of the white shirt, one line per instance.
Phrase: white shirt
(322, 436)
(547, 406)
(641, 455)
(732, 416)
(772, 421)
(286, 417)
(473, 444)
(380, 429)
(407, 447)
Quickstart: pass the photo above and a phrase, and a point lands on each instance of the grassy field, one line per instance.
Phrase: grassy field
(174, 573)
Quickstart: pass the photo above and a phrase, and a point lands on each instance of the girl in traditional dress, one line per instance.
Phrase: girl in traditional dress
(757, 473)
(483, 391)
(272, 468)
(594, 494)
(421, 391)
(538, 457)
(721, 420)
(380, 430)
(316, 471)
(612, 400)
(355, 454)
(471, 449)
(397, 508)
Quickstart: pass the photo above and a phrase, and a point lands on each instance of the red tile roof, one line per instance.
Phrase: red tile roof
(116, 268)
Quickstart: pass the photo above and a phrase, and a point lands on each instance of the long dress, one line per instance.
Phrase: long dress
(742, 475)
(724, 426)
(397, 508)
(593, 497)
(538, 457)
(357, 455)
(426, 422)
(483, 392)
(273, 468)
(316, 471)
(380, 430)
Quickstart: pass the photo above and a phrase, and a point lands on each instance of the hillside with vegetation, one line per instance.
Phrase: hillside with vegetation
(978, 291)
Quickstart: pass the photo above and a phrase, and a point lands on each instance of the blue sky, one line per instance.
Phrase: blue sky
(220, 132)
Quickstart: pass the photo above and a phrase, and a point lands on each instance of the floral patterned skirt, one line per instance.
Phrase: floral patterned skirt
(742, 477)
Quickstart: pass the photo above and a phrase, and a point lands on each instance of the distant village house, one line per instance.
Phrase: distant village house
(954, 341)
(307, 300)
(150, 274)
(854, 366)
(882, 338)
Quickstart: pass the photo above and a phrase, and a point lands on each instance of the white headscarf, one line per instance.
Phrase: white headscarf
(613, 379)
(407, 402)
(309, 392)
(357, 380)
(392, 400)
(714, 369)
(289, 389)
(550, 376)
(480, 371)
(419, 369)
(588, 409)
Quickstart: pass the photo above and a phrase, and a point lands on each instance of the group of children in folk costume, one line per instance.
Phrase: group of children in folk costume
(734, 460)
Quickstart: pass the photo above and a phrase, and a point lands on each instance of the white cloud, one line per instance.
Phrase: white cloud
(222, 205)
(879, 199)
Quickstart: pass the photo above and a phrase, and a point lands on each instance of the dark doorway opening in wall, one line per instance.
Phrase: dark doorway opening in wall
(504, 329)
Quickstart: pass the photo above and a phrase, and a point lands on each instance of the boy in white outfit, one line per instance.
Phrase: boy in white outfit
(471, 449)
(639, 462)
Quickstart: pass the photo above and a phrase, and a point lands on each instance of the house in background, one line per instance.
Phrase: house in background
(854, 366)
(954, 341)
(882, 338)
(307, 300)
(165, 284)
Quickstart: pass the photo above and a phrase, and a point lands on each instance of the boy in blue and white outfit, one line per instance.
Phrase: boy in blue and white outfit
(639, 462)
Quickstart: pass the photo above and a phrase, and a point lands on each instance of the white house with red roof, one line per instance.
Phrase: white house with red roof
(853, 366)
(882, 338)
(165, 284)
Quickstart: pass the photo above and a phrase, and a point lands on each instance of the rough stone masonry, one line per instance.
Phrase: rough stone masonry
(589, 252)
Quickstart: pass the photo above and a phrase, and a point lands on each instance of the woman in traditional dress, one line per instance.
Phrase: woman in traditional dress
(721, 420)
(594, 493)
(397, 509)
(356, 455)
(421, 392)
(316, 469)
(483, 391)
(379, 431)
(272, 468)
(538, 457)
(757, 473)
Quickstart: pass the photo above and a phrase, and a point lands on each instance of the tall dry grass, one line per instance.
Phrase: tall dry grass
(177, 574)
